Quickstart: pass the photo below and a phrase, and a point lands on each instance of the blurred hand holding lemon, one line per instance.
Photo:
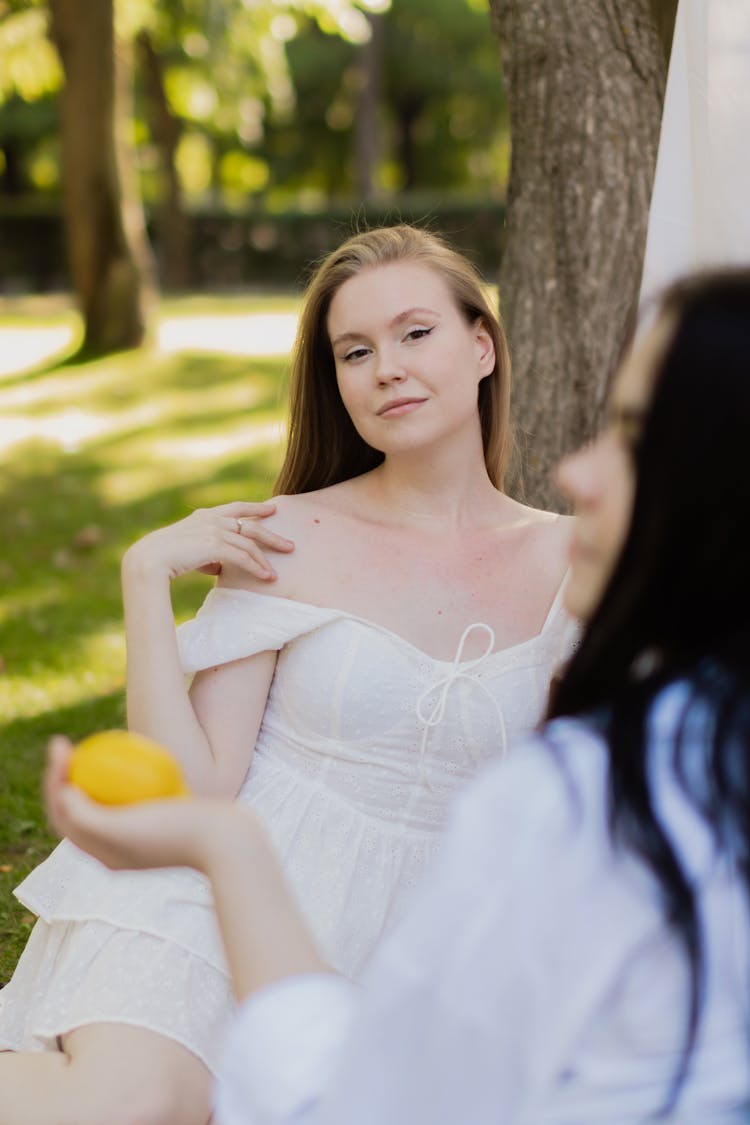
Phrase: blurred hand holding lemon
(118, 767)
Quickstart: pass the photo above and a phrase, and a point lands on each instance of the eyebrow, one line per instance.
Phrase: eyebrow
(402, 316)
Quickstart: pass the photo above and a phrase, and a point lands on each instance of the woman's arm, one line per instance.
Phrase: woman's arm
(519, 940)
(469, 1009)
(212, 733)
(264, 934)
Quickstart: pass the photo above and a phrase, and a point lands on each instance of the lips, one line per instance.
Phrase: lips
(400, 405)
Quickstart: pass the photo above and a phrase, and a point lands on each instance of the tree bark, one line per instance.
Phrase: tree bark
(99, 229)
(12, 178)
(665, 14)
(407, 112)
(166, 130)
(586, 89)
(366, 124)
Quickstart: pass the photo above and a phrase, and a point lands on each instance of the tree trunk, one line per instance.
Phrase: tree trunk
(407, 111)
(366, 125)
(105, 275)
(12, 179)
(665, 14)
(173, 228)
(586, 89)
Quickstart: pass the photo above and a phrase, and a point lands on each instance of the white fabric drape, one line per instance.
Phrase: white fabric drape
(700, 208)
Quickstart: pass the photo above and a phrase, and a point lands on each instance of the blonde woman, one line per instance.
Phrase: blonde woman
(344, 696)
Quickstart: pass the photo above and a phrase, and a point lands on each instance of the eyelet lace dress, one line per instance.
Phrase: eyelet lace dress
(363, 741)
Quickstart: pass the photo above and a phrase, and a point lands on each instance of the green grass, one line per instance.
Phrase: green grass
(93, 455)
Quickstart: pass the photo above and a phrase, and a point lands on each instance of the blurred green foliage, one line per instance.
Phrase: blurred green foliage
(264, 97)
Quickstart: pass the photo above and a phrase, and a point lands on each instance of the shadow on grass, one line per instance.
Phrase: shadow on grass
(244, 384)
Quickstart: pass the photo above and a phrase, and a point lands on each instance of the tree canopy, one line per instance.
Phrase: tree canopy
(263, 97)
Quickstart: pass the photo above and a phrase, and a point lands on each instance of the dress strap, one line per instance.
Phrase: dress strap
(557, 603)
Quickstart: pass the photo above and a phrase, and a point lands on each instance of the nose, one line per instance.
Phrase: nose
(576, 477)
(388, 367)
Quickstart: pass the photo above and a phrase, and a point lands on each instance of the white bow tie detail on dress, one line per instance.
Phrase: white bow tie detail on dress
(459, 670)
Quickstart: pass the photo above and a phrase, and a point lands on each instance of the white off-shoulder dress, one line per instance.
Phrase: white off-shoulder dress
(363, 741)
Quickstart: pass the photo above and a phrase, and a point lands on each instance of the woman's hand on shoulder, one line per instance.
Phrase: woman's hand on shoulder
(296, 516)
(208, 540)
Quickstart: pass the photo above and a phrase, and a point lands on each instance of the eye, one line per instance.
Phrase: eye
(355, 354)
(418, 333)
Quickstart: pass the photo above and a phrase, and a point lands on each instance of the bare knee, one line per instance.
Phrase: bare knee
(134, 1077)
(150, 1105)
(105, 1080)
(153, 1106)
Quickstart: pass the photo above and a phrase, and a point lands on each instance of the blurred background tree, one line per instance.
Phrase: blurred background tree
(105, 232)
(586, 86)
(250, 132)
(229, 106)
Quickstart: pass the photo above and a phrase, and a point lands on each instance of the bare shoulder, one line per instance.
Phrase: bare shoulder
(545, 537)
(305, 519)
(294, 514)
(549, 527)
(306, 513)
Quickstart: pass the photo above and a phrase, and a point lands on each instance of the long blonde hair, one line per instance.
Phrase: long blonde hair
(323, 446)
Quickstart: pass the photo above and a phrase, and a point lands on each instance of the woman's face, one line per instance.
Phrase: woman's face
(408, 364)
(600, 478)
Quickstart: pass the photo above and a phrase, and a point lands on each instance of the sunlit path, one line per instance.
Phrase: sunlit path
(261, 334)
(257, 334)
(51, 407)
(22, 348)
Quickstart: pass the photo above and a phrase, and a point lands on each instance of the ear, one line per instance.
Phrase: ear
(485, 348)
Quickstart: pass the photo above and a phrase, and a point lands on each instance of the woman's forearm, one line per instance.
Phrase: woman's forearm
(264, 935)
(158, 703)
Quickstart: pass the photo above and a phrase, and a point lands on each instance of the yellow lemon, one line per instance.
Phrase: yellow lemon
(116, 767)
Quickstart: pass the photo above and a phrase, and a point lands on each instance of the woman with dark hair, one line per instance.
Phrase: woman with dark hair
(581, 951)
(343, 702)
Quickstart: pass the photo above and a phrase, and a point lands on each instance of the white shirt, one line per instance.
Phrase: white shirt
(534, 982)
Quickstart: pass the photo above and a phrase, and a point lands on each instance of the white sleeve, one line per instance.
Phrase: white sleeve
(282, 1048)
(233, 623)
(470, 1006)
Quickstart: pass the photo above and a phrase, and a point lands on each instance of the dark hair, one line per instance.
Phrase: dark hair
(677, 606)
(324, 447)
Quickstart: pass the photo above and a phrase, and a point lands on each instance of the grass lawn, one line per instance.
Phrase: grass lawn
(92, 455)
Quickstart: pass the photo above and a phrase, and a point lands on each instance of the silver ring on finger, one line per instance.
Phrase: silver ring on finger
(239, 527)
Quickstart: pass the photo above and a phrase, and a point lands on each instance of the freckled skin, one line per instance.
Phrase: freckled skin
(424, 543)
(363, 562)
